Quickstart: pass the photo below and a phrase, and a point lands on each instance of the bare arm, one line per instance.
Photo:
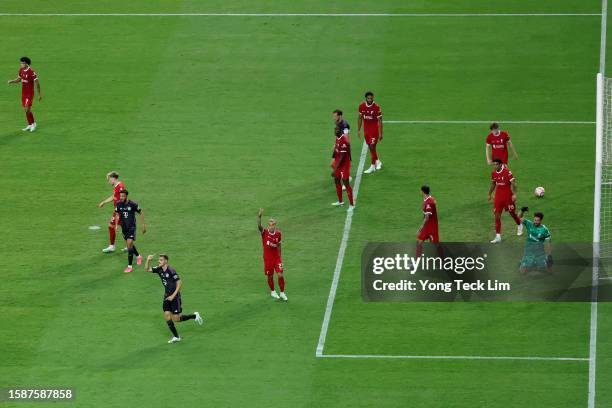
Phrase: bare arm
(513, 188)
(425, 219)
(359, 124)
(513, 149)
(14, 81)
(38, 89)
(106, 201)
(488, 153)
(147, 265)
(259, 214)
(380, 127)
(491, 189)
(142, 220)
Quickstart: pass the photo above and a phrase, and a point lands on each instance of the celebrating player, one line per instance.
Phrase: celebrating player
(429, 227)
(341, 159)
(172, 304)
(113, 179)
(496, 146)
(27, 77)
(127, 209)
(538, 250)
(273, 262)
(504, 184)
(370, 116)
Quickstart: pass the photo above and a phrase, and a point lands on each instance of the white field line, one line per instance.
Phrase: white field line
(382, 356)
(479, 122)
(300, 14)
(343, 243)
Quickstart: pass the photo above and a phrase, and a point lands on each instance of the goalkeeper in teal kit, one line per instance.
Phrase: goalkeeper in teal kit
(538, 248)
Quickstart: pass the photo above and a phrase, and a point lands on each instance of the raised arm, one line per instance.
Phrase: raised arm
(147, 264)
(259, 214)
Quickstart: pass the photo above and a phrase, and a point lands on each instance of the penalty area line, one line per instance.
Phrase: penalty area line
(479, 122)
(392, 357)
(300, 14)
(341, 251)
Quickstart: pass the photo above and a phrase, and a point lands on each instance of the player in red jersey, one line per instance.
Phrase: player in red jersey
(504, 184)
(28, 78)
(370, 116)
(429, 227)
(113, 179)
(273, 262)
(341, 159)
(496, 146)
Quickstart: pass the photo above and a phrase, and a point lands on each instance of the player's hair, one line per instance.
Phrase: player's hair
(539, 215)
(123, 191)
(26, 60)
(338, 112)
(112, 174)
(498, 161)
(163, 256)
(369, 93)
(425, 189)
(494, 126)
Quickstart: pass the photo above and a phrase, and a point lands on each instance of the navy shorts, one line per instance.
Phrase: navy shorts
(175, 306)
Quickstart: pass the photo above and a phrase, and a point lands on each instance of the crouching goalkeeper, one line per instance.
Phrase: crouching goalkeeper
(538, 248)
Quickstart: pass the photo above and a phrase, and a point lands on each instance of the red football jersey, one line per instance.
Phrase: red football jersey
(120, 186)
(429, 207)
(28, 76)
(499, 145)
(342, 146)
(370, 114)
(502, 179)
(271, 241)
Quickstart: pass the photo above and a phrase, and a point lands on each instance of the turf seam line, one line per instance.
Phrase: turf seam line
(343, 243)
(300, 14)
(382, 356)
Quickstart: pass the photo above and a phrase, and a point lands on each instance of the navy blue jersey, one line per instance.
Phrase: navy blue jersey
(169, 277)
(127, 213)
(342, 128)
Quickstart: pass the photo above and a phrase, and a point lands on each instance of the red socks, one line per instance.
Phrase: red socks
(339, 190)
(498, 224)
(281, 283)
(349, 193)
(30, 117)
(373, 154)
(111, 234)
(271, 281)
(515, 217)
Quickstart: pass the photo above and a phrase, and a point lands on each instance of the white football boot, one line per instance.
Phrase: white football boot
(378, 165)
(27, 128)
(110, 248)
(338, 203)
(283, 296)
(274, 295)
(198, 318)
(497, 239)
(33, 127)
(370, 169)
(174, 340)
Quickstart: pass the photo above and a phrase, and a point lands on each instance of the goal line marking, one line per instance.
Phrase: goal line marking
(300, 14)
(382, 356)
(478, 122)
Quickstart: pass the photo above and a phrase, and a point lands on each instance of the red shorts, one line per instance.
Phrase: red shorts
(272, 265)
(371, 136)
(26, 100)
(344, 171)
(501, 156)
(429, 232)
(503, 202)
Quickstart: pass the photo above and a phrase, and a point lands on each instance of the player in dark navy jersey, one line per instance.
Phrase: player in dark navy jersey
(126, 211)
(172, 305)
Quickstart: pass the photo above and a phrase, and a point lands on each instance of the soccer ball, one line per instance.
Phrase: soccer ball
(539, 192)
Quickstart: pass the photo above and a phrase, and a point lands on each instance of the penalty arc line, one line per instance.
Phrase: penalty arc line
(341, 251)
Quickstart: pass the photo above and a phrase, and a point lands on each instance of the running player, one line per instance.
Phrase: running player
(172, 304)
(370, 116)
(496, 146)
(341, 159)
(504, 185)
(113, 179)
(273, 262)
(127, 209)
(28, 78)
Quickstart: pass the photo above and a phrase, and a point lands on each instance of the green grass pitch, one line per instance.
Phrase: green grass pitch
(209, 118)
